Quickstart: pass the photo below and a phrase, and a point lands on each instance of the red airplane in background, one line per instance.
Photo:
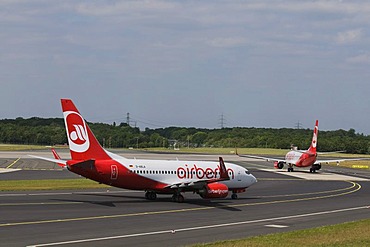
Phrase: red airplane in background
(302, 158)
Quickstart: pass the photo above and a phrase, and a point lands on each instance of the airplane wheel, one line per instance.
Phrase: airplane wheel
(153, 196)
(150, 195)
(234, 196)
(180, 198)
(311, 170)
(174, 198)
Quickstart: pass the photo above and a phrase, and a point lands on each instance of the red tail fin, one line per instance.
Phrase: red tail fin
(314, 138)
(82, 143)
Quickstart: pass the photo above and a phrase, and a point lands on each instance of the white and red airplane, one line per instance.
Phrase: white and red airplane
(302, 158)
(90, 160)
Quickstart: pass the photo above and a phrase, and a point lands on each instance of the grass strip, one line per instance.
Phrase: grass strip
(251, 151)
(347, 234)
(49, 184)
(14, 147)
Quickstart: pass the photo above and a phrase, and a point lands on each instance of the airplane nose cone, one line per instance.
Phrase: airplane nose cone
(253, 179)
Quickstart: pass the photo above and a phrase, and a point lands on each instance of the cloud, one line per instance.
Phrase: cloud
(247, 50)
(227, 42)
(102, 8)
(360, 59)
(348, 37)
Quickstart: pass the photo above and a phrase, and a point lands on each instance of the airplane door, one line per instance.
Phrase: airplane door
(113, 172)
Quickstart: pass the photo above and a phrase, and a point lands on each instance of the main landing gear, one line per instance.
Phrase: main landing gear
(177, 197)
(234, 196)
(315, 167)
(150, 195)
(290, 168)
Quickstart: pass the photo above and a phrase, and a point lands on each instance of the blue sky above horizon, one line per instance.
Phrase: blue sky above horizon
(184, 63)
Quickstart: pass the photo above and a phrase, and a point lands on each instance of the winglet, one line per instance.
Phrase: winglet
(57, 157)
(223, 171)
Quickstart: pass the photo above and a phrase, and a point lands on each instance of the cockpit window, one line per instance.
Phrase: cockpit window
(247, 172)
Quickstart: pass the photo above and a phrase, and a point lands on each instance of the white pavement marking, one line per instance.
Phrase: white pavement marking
(324, 176)
(171, 231)
(276, 226)
(5, 170)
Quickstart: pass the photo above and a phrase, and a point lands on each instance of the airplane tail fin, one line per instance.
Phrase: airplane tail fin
(314, 138)
(83, 144)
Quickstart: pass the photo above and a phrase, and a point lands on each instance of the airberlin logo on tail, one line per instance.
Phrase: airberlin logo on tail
(78, 138)
(314, 138)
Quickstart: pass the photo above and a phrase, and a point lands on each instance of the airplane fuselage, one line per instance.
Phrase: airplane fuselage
(300, 159)
(158, 175)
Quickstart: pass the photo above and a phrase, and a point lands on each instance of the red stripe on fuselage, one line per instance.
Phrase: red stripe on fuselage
(101, 172)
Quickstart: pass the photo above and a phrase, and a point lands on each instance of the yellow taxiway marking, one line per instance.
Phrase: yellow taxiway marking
(12, 163)
(202, 227)
(324, 176)
(312, 193)
(130, 191)
(178, 210)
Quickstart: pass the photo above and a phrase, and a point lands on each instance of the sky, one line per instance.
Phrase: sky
(188, 63)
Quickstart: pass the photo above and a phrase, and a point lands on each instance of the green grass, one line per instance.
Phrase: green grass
(49, 184)
(346, 234)
(252, 151)
(13, 147)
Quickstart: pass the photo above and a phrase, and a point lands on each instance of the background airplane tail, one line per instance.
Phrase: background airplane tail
(314, 138)
(83, 144)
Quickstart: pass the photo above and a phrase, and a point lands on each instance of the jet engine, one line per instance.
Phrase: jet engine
(214, 190)
(278, 165)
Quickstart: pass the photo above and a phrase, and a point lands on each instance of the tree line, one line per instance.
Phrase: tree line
(51, 131)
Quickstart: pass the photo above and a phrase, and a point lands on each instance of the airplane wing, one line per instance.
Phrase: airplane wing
(339, 160)
(261, 158)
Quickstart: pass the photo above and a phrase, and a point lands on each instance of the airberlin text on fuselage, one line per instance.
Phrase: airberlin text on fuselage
(189, 172)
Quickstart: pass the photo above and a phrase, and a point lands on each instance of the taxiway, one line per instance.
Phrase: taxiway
(278, 202)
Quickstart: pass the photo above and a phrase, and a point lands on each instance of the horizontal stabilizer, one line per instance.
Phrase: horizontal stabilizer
(64, 162)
